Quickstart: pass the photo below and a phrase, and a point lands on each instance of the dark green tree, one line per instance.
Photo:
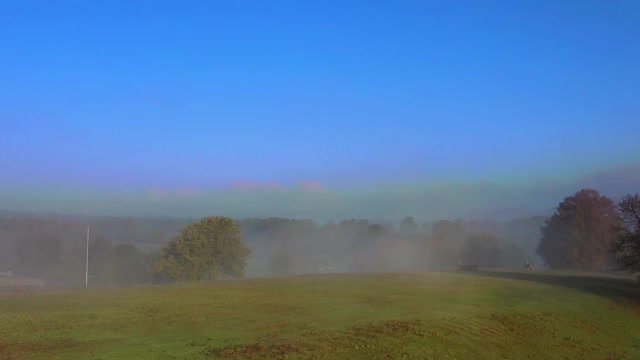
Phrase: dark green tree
(208, 249)
(579, 234)
(626, 246)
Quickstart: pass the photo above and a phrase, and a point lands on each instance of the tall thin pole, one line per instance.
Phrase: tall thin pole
(86, 269)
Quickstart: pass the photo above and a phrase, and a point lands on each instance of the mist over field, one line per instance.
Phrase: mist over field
(320, 180)
(391, 201)
(52, 246)
(208, 141)
(300, 229)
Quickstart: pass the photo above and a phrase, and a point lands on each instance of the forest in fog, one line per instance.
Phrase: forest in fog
(122, 250)
(588, 232)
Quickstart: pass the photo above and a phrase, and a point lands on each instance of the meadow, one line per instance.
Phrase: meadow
(439, 315)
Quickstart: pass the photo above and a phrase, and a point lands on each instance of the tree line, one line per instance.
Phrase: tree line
(122, 250)
(588, 231)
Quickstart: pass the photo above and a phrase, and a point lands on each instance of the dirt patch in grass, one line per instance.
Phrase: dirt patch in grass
(389, 328)
(23, 350)
(258, 350)
(587, 325)
(314, 344)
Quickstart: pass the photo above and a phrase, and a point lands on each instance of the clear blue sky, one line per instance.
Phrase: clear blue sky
(198, 94)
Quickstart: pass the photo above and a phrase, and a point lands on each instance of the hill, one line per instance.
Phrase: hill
(489, 315)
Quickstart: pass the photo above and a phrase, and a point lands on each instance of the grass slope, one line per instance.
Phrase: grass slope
(490, 315)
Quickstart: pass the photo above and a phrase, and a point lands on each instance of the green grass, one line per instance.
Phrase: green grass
(489, 315)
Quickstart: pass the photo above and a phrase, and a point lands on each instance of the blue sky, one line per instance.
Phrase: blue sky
(146, 95)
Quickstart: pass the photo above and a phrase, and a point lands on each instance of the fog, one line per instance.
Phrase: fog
(427, 200)
(302, 229)
(50, 248)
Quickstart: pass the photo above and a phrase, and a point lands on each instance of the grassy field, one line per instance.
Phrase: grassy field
(488, 315)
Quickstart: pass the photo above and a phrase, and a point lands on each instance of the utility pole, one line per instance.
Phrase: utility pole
(86, 269)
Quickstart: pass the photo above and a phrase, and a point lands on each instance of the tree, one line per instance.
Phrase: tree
(452, 231)
(208, 249)
(525, 232)
(364, 250)
(408, 226)
(490, 251)
(579, 234)
(481, 249)
(375, 231)
(442, 247)
(627, 243)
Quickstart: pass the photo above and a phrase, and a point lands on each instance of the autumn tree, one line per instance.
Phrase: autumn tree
(208, 249)
(627, 243)
(579, 234)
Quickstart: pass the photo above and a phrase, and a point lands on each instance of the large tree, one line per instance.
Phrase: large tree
(627, 243)
(208, 249)
(579, 234)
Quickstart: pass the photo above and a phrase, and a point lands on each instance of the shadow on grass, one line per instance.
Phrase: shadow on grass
(619, 289)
